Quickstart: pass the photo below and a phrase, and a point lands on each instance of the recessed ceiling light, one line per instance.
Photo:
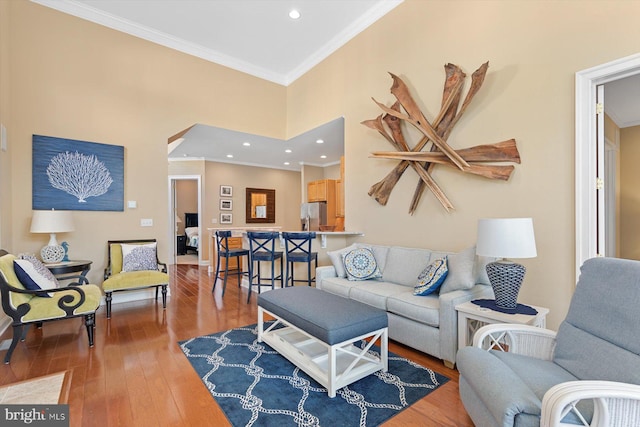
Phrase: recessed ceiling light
(230, 156)
(320, 141)
(287, 150)
(185, 155)
(286, 163)
(323, 157)
(294, 14)
(246, 144)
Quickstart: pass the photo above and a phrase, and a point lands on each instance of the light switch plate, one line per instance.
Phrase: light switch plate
(146, 222)
(132, 204)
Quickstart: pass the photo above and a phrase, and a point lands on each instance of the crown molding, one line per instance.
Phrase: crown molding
(86, 12)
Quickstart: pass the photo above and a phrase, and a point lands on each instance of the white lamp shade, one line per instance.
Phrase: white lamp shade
(506, 238)
(52, 222)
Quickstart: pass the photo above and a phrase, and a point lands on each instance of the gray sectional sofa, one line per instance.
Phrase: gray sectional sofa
(427, 323)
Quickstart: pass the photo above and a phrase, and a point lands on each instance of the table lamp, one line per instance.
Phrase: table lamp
(504, 238)
(52, 222)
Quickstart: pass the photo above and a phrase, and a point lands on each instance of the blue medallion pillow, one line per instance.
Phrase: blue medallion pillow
(360, 264)
(34, 275)
(431, 277)
(139, 257)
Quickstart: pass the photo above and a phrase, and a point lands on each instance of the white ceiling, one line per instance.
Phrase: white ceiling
(622, 101)
(252, 36)
(216, 144)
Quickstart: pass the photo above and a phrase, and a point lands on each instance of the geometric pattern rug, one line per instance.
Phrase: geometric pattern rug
(256, 386)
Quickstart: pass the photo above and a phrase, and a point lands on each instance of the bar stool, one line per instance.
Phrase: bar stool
(298, 248)
(223, 250)
(262, 249)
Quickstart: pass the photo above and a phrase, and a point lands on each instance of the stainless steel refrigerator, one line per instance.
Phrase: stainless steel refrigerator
(313, 215)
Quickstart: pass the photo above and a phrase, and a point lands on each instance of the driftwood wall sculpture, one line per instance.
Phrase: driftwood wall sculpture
(471, 160)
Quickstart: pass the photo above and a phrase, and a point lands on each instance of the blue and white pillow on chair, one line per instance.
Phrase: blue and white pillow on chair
(431, 277)
(360, 264)
(34, 275)
(139, 257)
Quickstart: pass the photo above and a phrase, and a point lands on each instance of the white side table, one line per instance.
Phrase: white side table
(472, 317)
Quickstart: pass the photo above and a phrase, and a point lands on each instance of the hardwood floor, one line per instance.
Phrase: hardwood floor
(136, 375)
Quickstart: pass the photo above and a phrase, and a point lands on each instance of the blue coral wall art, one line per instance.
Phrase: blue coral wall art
(77, 175)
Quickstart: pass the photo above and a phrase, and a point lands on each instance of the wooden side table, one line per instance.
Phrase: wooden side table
(472, 317)
(65, 270)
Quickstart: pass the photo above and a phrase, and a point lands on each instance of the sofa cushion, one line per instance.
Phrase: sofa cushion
(338, 286)
(375, 293)
(431, 277)
(360, 264)
(403, 265)
(379, 252)
(423, 309)
(336, 259)
(461, 273)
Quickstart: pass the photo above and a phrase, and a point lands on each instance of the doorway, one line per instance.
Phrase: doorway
(185, 197)
(590, 213)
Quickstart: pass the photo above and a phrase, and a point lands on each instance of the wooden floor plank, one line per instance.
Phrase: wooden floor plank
(136, 374)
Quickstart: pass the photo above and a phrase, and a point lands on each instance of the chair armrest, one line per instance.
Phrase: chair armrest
(324, 272)
(162, 266)
(519, 339)
(614, 403)
(107, 272)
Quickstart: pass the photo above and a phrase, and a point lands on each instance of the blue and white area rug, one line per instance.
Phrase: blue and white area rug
(255, 386)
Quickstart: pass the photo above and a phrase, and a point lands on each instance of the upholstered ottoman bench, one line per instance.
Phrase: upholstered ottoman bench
(319, 333)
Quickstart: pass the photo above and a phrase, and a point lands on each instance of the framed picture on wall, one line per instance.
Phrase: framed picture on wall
(226, 204)
(226, 190)
(226, 218)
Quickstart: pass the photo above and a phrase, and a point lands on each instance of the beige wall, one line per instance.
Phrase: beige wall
(74, 79)
(629, 193)
(534, 49)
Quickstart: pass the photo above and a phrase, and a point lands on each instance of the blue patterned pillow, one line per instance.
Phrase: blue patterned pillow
(139, 257)
(431, 277)
(360, 264)
(34, 275)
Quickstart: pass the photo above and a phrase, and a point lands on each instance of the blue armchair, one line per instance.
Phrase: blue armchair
(585, 374)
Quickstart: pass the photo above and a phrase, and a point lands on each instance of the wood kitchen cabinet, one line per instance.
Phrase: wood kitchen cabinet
(322, 190)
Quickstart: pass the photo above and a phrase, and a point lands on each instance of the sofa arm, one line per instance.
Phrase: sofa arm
(323, 272)
(526, 340)
(449, 317)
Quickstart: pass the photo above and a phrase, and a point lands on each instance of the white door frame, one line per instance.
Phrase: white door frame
(585, 143)
(172, 214)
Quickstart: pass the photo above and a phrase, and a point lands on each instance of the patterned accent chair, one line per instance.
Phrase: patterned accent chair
(26, 307)
(134, 265)
(585, 374)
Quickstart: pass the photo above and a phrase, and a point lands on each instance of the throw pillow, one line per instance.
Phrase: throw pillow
(336, 259)
(461, 274)
(139, 257)
(34, 275)
(431, 277)
(360, 264)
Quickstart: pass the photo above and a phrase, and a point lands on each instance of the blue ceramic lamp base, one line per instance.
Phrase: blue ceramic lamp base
(506, 278)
